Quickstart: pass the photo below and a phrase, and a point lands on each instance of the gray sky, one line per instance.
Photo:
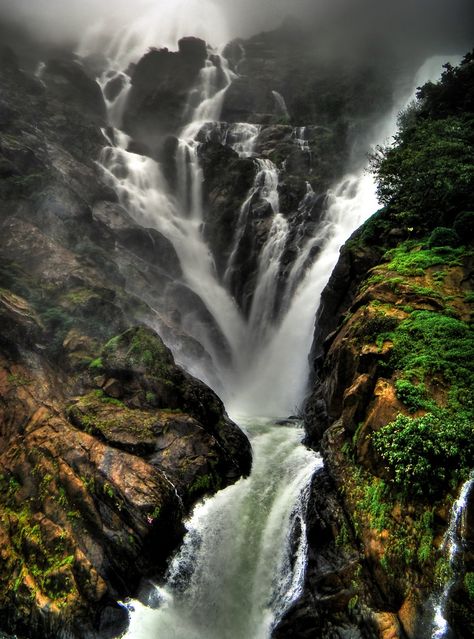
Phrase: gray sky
(442, 23)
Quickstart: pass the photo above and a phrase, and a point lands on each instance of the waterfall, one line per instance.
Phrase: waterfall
(242, 563)
(274, 385)
(452, 546)
(243, 559)
(281, 104)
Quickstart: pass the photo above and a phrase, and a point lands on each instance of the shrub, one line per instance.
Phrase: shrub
(443, 236)
(413, 396)
(424, 453)
(429, 342)
(410, 259)
(464, 226)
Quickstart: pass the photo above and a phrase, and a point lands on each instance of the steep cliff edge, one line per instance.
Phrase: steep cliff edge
(105, 443)
(391, 405)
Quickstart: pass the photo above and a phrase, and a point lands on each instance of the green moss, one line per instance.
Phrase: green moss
(414, 396)
(81, 296)
(343, 537)
(151, 398)
(410, 258)
(442, 572)
(469, 584)
(425, 545)
(108, 490)
(96, 364)
(139, 348)
(18, 380)
(430, 343)
(95, 414)
(376, 504)
(407, 540)
(44, 557)
(206, 483)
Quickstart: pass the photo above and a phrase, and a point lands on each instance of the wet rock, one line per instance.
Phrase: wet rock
(161, 83)
(114, 87)
(19, 320)
(68, 82)
(95, 497)
(86, 509)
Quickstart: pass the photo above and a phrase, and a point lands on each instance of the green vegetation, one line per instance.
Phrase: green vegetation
(414, 396)
(464, 225)
(424, 175)
(205, 483)
(45, 561)
(469, 584)
(434, 343)
(96, 364)
(139, 348)
(375, 503)
(410, 258)
(18, 380)
(425, 454)
(443, 236)
(58, 323)
(423, 327)
(376, 324)
(407, 539)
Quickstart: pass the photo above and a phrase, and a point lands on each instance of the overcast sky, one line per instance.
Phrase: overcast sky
(436, 23)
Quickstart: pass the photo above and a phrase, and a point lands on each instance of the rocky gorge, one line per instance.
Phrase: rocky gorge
(107, 442)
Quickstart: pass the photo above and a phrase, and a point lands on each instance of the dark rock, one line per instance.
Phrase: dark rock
(68, 82)
(331, 582)
(193, 51)
(161, 84)
(113, 622)
(114, 87)
(152, 246)
(8, 60)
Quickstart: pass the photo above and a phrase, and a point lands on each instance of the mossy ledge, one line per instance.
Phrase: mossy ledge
(97, 473)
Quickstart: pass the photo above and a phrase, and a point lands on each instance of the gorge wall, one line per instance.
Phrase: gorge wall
(391, 405)
(106, 442)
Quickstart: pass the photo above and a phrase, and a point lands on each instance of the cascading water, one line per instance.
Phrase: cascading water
(243, 559)
(238, 569)
(452, 547)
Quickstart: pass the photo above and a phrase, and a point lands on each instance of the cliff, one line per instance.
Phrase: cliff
(391, 403)
(105, 442)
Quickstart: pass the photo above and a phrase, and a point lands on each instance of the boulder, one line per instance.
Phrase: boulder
(161, 84)
(67, 81)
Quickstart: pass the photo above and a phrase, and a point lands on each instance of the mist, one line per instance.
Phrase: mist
(425, 25)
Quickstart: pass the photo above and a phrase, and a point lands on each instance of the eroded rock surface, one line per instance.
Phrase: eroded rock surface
(105, 444)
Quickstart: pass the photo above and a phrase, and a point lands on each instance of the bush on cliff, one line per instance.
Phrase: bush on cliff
(423, 454)
(427, 176)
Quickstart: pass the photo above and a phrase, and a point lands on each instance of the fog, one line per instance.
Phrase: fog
(434, 25)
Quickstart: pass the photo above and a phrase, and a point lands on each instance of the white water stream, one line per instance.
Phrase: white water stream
(236, 573)
(452, 547)
(243, 559)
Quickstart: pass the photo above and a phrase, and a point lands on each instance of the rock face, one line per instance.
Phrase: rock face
(97, 473)
(389, 411)
(271, 67)
(105, 443)
(396, 539)
(161, 84)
